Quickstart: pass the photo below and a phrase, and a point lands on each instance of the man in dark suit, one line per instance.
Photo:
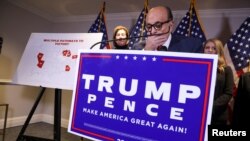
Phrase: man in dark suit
(241, 115)
(159, 21)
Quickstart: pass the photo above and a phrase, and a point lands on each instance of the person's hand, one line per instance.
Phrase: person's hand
(153, 42)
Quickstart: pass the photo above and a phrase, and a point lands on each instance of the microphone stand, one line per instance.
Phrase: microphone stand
(118, 39)
(135, 37)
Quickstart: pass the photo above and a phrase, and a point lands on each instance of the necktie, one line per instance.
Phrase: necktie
(162, 48)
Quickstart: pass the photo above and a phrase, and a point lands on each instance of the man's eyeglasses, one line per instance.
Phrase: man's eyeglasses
(157, 25)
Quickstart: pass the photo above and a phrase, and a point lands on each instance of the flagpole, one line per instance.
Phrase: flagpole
(101, 15)
(194, 6)
(146, 10)
(190, 19)
(190, 25)
(104, 20)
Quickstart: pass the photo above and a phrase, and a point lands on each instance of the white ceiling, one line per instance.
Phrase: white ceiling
(66, 8)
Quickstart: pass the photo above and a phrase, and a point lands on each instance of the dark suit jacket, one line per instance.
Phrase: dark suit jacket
(222, 95)
(241, 111)
(178, 44)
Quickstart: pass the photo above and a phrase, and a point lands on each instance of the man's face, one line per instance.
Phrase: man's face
(157, 21)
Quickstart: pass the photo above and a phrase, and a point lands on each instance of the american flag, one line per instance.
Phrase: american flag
(237, 50)
(139, 27)
(237, 53)
(190, 25)
(100, 26)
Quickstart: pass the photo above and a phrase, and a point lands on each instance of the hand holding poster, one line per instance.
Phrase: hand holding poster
(142, 95)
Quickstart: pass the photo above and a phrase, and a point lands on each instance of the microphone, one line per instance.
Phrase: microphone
(135, 37)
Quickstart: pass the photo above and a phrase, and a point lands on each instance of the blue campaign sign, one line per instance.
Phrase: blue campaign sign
(142, 95)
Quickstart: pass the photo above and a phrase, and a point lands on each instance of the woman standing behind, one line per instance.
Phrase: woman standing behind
(224, 83)
(120, 36)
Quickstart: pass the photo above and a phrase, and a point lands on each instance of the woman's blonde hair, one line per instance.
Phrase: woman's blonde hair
(220, 51)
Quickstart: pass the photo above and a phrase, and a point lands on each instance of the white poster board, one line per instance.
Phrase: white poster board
(49, 59)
